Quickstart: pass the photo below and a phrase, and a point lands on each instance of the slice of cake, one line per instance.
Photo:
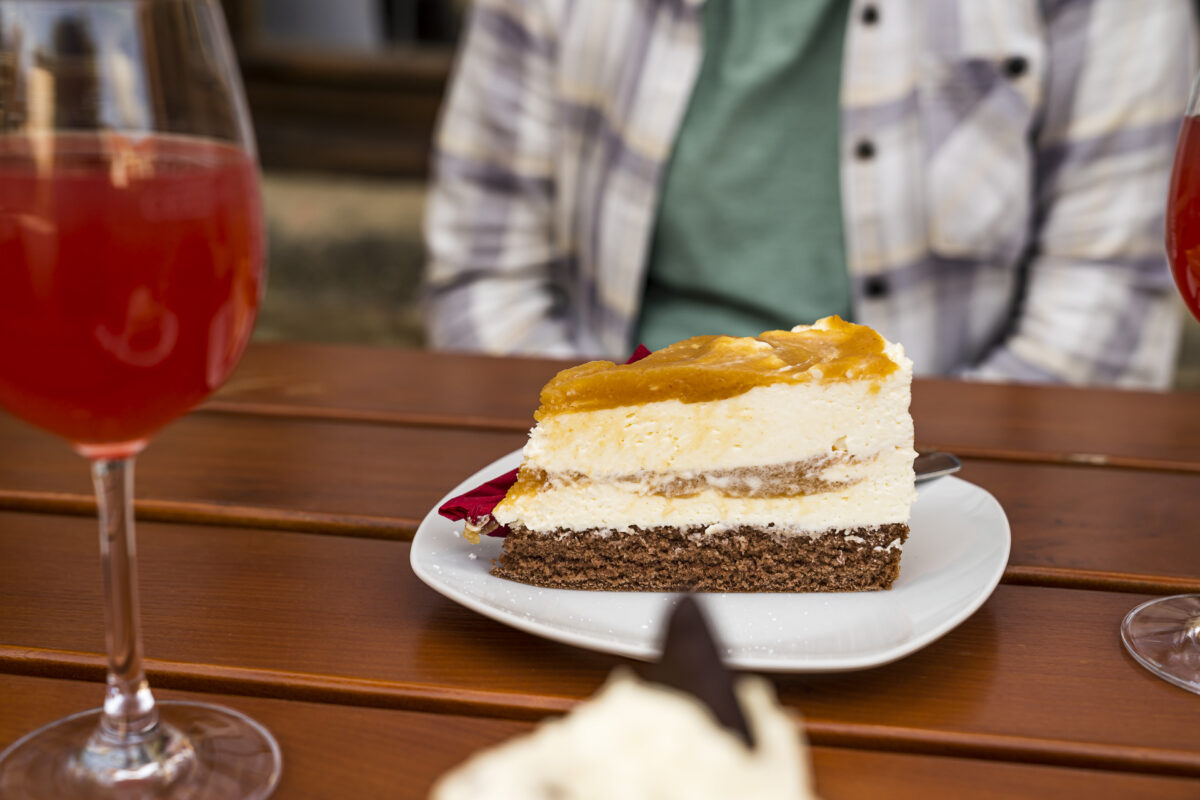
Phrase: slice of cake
(665, 737)
(777, 463)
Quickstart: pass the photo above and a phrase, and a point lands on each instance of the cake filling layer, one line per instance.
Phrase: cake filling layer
(742, 559)
(796, 479)
(877, 492)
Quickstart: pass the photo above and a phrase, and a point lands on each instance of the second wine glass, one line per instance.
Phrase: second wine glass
(1164, 634)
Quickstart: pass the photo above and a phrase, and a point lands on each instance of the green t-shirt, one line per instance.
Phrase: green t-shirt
(749, 230)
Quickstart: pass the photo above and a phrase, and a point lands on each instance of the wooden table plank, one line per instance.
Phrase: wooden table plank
(1109, 528)
(850, 774)
(346, 751)
(380, 480)
(329, 751)
(333, 477)
(387, 385)
(1058, 423)
(1036, 675)
(976, 419)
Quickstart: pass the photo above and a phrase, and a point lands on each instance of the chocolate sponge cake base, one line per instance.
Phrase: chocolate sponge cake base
(687, 559)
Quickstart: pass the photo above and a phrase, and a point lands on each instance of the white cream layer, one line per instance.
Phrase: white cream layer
(883, 494)
(775, 424)
(643, 741)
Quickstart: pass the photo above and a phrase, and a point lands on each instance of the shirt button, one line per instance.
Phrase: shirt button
(876, 287)
(864, 150)
(1016, 66)
(870, 15)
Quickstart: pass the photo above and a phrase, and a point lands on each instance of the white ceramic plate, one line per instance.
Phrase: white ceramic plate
(953, 559)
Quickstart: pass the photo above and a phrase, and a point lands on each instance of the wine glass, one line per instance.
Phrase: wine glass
(1164, 634)
(131, 269)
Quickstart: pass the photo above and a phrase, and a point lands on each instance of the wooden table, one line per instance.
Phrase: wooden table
(274, 555)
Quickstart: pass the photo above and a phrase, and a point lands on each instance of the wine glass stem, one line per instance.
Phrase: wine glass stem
(129, 714)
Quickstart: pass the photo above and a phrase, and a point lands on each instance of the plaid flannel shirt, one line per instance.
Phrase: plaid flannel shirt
(1004, 170)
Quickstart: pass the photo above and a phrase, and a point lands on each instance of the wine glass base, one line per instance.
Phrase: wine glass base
(210, 752)
(1164, 636)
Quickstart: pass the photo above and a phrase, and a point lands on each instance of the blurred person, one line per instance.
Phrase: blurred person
(982, 180)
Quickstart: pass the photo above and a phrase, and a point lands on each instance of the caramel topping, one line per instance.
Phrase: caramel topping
(706, 368)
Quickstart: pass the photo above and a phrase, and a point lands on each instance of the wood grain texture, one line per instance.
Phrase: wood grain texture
(1012, 421)
(328, 751)
(325, 637)
(304, 474)
(1037, 675)
(332, 751)
(1115, 427)
(1108, 528)
(1113, 529)
(850, 774)
(387, 385)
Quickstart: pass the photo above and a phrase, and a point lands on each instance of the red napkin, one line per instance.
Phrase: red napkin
(638, 354)
(476, 505)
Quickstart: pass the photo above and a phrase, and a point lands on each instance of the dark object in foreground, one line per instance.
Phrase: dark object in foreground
(691, 662)
(673, 559)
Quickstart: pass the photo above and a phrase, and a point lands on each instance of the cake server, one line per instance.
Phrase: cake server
(935, 464)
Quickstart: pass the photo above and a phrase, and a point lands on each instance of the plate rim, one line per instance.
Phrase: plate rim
(778, 664)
